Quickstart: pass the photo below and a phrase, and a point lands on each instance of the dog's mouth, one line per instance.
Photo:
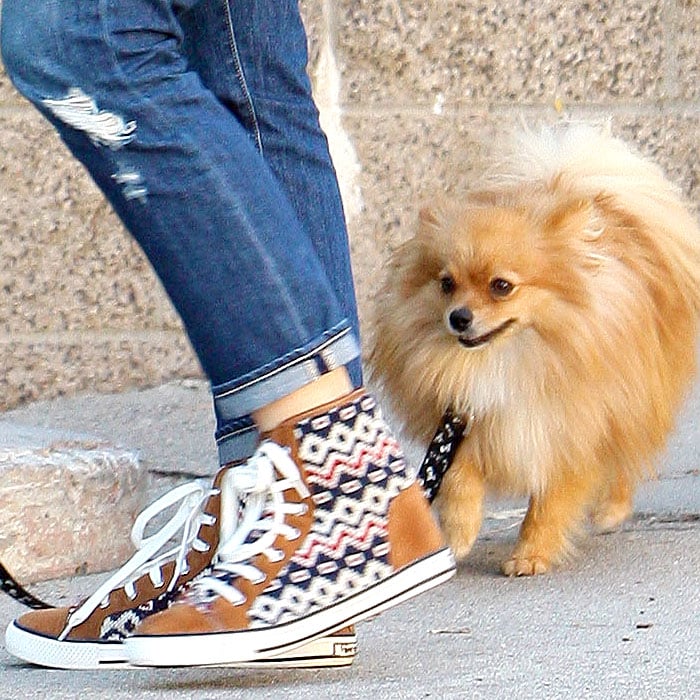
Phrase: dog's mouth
(475, 342)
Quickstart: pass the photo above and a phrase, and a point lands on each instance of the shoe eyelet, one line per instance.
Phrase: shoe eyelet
(275, 555)
(201, 546)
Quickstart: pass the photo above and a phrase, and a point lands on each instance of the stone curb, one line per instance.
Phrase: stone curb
(67, 502)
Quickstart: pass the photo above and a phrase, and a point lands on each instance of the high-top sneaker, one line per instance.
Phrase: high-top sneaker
(91, 634)
(336, 530)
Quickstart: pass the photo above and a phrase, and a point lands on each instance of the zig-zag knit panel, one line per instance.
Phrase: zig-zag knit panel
(354, 468)
(119, 626)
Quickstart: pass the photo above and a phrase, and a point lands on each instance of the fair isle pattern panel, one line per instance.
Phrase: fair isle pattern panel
(354, 467)
(120, 625)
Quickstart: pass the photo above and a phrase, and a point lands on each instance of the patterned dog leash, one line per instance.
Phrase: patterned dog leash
(453, 429)
(9, 585)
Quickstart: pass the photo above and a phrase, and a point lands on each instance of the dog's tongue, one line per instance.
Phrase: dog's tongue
(441, 451)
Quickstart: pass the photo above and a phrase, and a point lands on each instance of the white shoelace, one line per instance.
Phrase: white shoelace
(148, 558)
(260, 485)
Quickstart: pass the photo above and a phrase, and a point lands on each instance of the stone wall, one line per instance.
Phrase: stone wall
(408, 90)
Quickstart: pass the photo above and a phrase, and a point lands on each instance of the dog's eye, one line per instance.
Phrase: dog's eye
(447, 284)
(500, 287)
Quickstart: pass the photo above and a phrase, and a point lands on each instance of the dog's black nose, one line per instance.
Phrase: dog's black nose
(461, 319)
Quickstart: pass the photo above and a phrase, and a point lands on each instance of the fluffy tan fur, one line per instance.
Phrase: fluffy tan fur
(576, 275)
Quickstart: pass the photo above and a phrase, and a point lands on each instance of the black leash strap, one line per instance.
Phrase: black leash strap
(441, 451)
(9, 585)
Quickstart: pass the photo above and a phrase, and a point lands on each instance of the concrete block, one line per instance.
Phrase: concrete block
(67, 502)
(8, 95)
(686, 39)
(424, 52)
(672, 141)
(172, 424)
(66, 262)
(316, 26)
(46, 367)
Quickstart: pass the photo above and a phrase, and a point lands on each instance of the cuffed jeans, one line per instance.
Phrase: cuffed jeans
(195, 118)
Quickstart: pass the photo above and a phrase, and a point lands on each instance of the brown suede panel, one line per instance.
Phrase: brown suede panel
(181, 618)
(47, 622)
(413, 531)
(52, 622)
(185, 617)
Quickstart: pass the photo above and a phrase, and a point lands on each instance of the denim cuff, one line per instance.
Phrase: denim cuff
(336, 348)
(237, 440)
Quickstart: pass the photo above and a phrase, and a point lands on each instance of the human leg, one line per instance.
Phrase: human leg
(260, 73)
(337, 531)
(90, 635)
(190, 185)
(253, 56)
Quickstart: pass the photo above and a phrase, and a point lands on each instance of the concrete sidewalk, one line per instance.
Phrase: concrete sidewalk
(621, 621)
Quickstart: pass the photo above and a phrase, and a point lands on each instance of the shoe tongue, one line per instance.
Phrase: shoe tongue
(255, 476)
(283, 434)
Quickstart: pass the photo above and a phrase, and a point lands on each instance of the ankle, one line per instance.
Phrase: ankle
(328, 387)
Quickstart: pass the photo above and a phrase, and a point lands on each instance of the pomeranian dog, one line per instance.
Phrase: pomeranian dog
(557, 304)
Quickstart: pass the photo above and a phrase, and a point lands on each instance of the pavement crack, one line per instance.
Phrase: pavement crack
(679, 522)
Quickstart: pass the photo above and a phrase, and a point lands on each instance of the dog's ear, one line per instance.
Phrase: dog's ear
(577, 219)
(428, 217)
(434, 217)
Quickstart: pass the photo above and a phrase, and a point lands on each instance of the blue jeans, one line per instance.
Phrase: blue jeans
(195, 118)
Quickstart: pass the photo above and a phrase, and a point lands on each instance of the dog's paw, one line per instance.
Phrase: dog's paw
(525, 566)
(459, 549)
(460, 537)
(610, 515)
(460, 529)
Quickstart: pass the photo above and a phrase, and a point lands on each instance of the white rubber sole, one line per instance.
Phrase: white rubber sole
(253, 645)
(330, 651)
(47, 651)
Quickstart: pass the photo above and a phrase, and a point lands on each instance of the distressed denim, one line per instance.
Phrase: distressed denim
(195, 118)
